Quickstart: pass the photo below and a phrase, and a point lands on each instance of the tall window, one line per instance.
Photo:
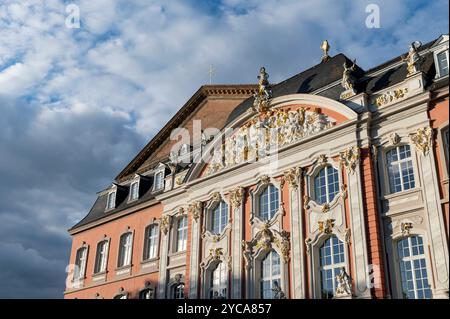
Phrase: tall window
(80, 263)
(159, 180)
(101, 257)
(111, 202)
(326, 185)
(178, 291)
(400, 169)
(442, 59)
(151, 242)
(218, 288)
(332, 259)
(270, 274)
(181, 233)
(269, 202)
(125, 249)
(413, 268)
(219, 217)
(134, 191)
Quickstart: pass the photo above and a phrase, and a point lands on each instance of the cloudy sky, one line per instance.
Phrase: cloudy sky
(77, 104)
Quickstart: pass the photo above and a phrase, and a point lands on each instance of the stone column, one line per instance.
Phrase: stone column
(433, 211)
(165, 224)
(292, 177)
(350, 159)
(237, 202)
(196, 211)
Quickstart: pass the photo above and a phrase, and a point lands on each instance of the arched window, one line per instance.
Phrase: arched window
(332, 259)
(151, 242)
(400, 169)
(270, 274)
(218, 288)
(182, 227)
(326, 185)
(125, 249)
(148, 293)
(178, 291)
(101, 257)
(269, 202)
(219, 217)
(413, 268)
(80, 263)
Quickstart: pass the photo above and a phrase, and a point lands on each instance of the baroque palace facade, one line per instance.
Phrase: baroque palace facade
(330, 184)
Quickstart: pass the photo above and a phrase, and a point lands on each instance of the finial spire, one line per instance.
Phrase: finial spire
(325, 48)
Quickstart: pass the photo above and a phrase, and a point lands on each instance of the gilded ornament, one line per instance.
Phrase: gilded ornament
(422, 139)
(165, 224)
(412, 58)
(325, 48)
(350, 158)
(326, 226)
(195, 210)
(291, 176)
(236, 196)
(406, 228)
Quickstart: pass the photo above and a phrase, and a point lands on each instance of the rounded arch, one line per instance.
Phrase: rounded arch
(328, 107)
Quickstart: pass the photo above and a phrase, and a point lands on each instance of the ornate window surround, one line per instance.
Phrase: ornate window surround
(214, 258)
(388, 143)
(313, 246)
(174, 219)
(154, 222)
(215, 200)
(321, 162)
(264, 182)
(397, 235)
(257, 249)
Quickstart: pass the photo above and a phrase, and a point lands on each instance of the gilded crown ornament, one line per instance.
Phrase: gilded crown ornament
(325, 48)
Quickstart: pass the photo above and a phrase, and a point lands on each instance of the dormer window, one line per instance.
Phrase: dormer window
(159, 179)
(442, 63)
(134, 190)
(111, 202)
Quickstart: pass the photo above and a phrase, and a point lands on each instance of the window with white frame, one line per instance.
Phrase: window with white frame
(442, 61)
(326, 185)
(80, 263)
(111, 201)
(151, 242)
(400, 169)
(182, 227)
(413, 269)
(332, 259)
(125, 249)
(134, 190)
(270, 274)
(121, 296)
(159, 180)
(219, 217)
(147, 293)
(269, 202)
(218, 289)
(178, 291)
(101, 256)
